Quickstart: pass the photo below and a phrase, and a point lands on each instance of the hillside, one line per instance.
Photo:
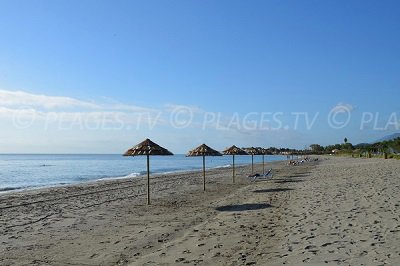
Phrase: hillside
(389, 137)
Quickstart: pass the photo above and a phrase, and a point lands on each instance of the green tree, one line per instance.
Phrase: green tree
(347, 146)
(316, 147)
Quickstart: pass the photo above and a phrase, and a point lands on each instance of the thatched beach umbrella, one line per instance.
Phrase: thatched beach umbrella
(203, 150)
(234, 151)
(147, 148)
(252, 151)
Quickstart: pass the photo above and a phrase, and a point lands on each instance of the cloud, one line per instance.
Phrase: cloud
(171, 123)
(86, 120)
(21, 98)
(112, 104)
(22, 110)
(20, 106)
(22, 113)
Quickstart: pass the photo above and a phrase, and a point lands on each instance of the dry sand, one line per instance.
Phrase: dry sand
(339, 211)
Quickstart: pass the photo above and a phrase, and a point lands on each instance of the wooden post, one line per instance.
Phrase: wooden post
(233, 170)
(148, 179)
(252, 164)
(204, 173)
(385, 155)
(263, 165)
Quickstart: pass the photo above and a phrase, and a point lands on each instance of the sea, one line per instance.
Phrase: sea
(33, 171)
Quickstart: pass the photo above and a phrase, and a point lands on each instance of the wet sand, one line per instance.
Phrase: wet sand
(338, 211)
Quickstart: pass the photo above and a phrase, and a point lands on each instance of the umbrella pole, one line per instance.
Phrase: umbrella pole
(204, 173)
(233, 171)
(148, 180)
(263, 165)
(252, 164)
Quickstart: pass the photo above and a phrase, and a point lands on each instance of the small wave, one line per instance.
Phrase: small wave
(224, 166)
(132, 175)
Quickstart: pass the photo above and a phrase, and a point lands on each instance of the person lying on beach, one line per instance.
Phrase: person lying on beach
(267, 174)
(253, 176)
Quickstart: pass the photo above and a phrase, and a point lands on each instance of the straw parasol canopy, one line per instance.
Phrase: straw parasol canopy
(203, 150)
(234, 151)
(147, 148)
(252, 151)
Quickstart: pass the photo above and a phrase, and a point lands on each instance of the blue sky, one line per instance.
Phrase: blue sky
(99, 76)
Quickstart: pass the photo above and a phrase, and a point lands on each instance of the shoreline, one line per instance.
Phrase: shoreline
(19, 189)
(139, 180)
(116, 179)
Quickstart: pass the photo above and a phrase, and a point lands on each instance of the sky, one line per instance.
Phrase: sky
(101, 76)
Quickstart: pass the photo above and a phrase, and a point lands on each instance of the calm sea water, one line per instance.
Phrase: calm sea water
(36, 171)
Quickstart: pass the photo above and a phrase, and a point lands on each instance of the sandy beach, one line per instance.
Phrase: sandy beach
(337, 211)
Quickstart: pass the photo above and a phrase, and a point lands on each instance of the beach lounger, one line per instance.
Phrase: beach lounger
(267, 175)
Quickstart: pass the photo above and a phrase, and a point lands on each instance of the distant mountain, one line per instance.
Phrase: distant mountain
(389, 137)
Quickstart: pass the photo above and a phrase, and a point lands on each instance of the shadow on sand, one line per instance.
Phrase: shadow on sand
(299, 175)
(272, 190)
(243, 207)
(283, 181)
